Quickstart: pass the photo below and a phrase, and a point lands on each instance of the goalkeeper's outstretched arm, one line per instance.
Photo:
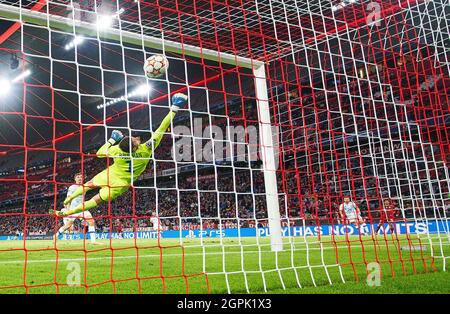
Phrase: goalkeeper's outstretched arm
(157, 136)
(178, 100)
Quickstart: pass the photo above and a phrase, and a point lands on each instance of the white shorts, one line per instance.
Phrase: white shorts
(81, 215)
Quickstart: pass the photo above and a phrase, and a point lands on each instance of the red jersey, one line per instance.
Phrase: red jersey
(119, 227)
(389, 212)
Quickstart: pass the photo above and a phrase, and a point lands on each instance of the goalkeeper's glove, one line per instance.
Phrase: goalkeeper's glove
(178, 100)
(116, 136)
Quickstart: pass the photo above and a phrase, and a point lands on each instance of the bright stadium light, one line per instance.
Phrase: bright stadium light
(75, 42)
(21, 76)
(111, 102)
(342, 4)
(105, 21)
(141, 90)
(5, 87)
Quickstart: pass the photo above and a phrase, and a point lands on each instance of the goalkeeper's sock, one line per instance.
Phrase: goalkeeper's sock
(83, 206)
(92, 233)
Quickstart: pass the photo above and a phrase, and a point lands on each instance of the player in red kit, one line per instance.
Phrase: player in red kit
(119, 228)
(387, 214)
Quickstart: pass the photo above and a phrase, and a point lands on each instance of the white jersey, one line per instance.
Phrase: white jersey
(155, 223)
(75, 202)
(349, 210)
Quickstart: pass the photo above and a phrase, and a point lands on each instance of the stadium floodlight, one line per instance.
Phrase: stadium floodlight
(111, 102)
(140, 91)
(5, 87)
(342, 4)
(75, 42)
(105, 21)
(21, 76)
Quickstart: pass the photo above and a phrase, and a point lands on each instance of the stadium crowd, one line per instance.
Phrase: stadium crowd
(236, 200)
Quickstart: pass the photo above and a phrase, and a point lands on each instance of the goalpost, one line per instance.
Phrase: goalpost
(348, 99)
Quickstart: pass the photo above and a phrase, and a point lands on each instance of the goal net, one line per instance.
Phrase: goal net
(293, 108)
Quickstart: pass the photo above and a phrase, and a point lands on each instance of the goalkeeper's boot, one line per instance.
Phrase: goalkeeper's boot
(57, 213)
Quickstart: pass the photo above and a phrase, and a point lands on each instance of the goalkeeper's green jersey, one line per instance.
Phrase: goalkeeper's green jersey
(130, 168)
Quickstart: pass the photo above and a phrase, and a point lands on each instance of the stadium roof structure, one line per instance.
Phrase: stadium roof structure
(258, 30)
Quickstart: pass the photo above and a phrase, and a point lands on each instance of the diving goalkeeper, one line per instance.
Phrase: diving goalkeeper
(117, 178)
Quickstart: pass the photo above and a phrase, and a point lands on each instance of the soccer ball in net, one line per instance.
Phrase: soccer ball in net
(156, 66)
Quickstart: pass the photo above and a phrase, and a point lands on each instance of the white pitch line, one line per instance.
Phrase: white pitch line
(79, 259)
(177, 254)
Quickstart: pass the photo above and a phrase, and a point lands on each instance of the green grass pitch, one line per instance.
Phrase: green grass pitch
(221, 266)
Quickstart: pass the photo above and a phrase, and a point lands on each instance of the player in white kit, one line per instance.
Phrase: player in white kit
(350, 214)
(156, 225)
(84, 215)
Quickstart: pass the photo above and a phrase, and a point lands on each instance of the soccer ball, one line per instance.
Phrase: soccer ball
(156, 66)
